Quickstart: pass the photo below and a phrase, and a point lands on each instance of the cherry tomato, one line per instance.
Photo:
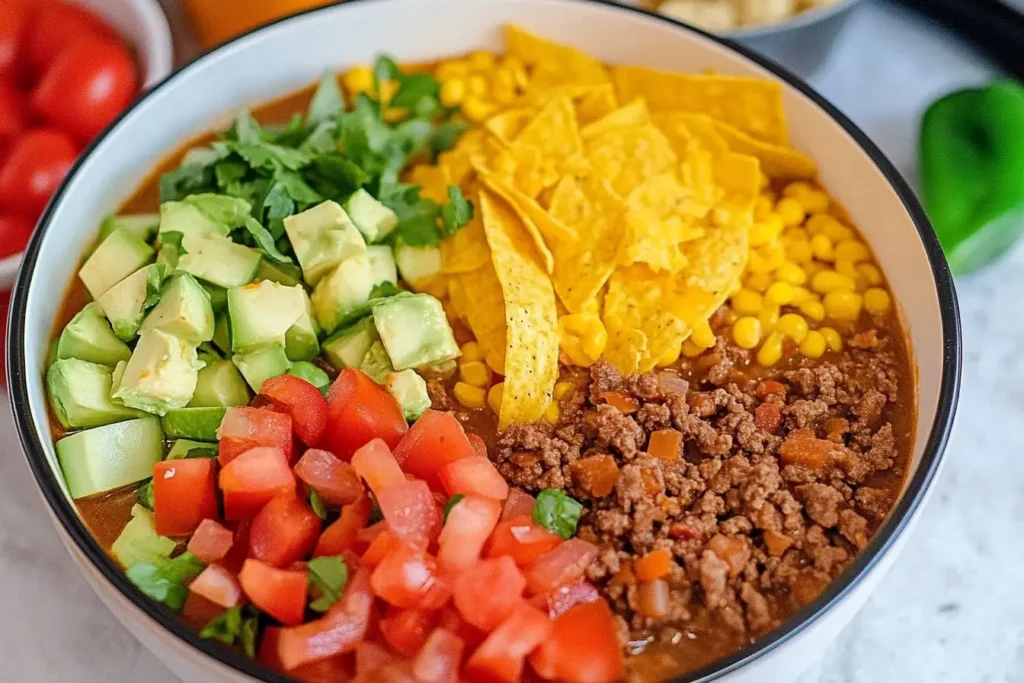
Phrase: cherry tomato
(34, 168)
(86, 86)
(57, 25)
(13, 112)
(14, 234)
(14, 21)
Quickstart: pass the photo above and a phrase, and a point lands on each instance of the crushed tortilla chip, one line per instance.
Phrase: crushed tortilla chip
(485, 313)
(595, 103)
(467, 249)
(511, 197)
(633, 115)
(553, 64)
(626, 156)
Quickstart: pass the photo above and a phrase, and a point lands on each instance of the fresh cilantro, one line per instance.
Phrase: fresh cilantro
(322, 139)
(557, 512)
(226, 627)
(297, 188)
(200, 452)
(265, 241)
(152, 293)
(173, 240)
(327, 102)
(185, 180)
(246, 129)
(336, 177)
(270, 157)
(452, 502)
(412, 89)
(229, 175)
(384, 69)
(457, 212)
(144, 495)
(417, 216)
(250, 634)
(317, 503)
(444, 137)
(291, 135)
(384, 290)
(166, 583)
(328, 575)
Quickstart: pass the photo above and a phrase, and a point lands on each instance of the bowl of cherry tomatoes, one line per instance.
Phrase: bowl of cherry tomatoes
(68, 68)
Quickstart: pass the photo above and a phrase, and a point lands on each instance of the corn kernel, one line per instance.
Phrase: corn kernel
(774, 255)
(813, 345)
(747, 332)
(847, 268)
(494, 396)
(481, 60)
(822, 223)
(791, 211)
(758, 282)
(770, 352)
(877, 301)
(475, 373)
(842, 305)
(799, 251)
(563, 389)
(469, 396)
(832, 339)
(691, 350)
(803, 294)
(791, 273)
(769, 317)
(815, 201)
(813, 309)
(671, 356)
(826, 281)
(854, 251)
(477, 85)
(870, 273)
(766, 231)
(793, 326)
(746, 302)
(779, 293)
(455, 68)
(453, 91)
(471, 351)
(821, 247)
(552, 413)
(475, 109)
(358, 79)
(756, 263)
(703, 336)
(797, 189)
(797, 234)
(763, 207)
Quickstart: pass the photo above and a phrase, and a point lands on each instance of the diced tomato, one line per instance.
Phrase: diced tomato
(367, 535)
(435, 440)
(377, 466)
(563, 565)
(284, 531)
(360, 410)
(335, 481)
(217, 585)
(395, 671)
(523, 540)
(582, 648)
(211, 541)
(518, 504)
(452, 620)
(405, 630)
(405, 577)
(379, 548)
(561, 599)
(329, 670)
(302, 401)
(477, 442)
(473, 475)
(440, 658)
(370, 657)
(252, 479)
(411, 512)
(197, 611)
(487, 592)
(341, 536)
(244, 428)
(239, 551)
(184, 494)
(501, 657)
(281, 593)
(465, 532)
(340, 630)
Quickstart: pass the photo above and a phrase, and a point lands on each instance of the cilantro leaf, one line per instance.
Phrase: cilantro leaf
(173, 240)
(327, 102)
(384, 69)
(317, 504)
(274, 205)
(226, 627)
(250, 633)
(265, 241)
(557, 512)
(185, 180)
(198, 452)
(336, 177)
(444, 136)
(384, 290)
(297, 188)
(144, 495)
(413, 88)
(291, 135)
(246, 129)
(417, 216)
(166, 583)
(457, 212)
(328, 575)
(452, 502)
(322, 139)
(229, 174)
(268, 156)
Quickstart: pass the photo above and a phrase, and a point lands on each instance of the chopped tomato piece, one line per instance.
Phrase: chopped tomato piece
(244, 428)
(184, 494)
(252, 479)
(335, 481)
(370, 657)
(395, 671)
(281, 593)
(369, 534)
(303, 401)
(583, 647)
(435, 440)
(284, 531)
(239, 551)
(452, 620)
(329, 670)
(523, 539)
(341, 535)
(487, 592)
(501, 657)
(211, 542)
(411, 512)
(217, 585)
(473, 475)
(440, 658)
(519, 504)
(625, 403)
(479, 447)
(405, 577)
(561, 599)
(197, 611)
(360, 410)
(340, 630)
(469, 525)
(379, 548)
(405, 630)
(563, 565)
(377, 466)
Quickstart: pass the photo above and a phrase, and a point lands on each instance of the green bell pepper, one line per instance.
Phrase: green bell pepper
(972, 172)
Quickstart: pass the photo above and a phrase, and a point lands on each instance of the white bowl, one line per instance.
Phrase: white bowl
(144, 25)
(278, 59)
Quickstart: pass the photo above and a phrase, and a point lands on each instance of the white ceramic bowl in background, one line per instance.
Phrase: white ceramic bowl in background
(292, 53)
(144, 25)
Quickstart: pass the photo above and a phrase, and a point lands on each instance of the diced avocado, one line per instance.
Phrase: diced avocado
(259, 366)
(347, 347)
(116, 375)
(182, 448)
(376, 363)
(109, 457)
(125, 303)
(222, 333)
(417, 265)
(220, 385)
(207, 354)
(80, 395)
(139, 542)
(372, 218)
(219, 261)
(142, 225)
(382, 262)
(117, 257)
(302, 342)
(203, 214)
(218, 296)
(161, 374)
(184, 310)
(88, 337)
(223, 208)
(311, 373)
(322, 237)
(168, 256)
(198, 424)
(263, 312)
(414, 330)
(410, 390)
(343, 294)
(281, 273)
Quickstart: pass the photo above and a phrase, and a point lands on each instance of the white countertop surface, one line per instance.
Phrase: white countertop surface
(950, 610)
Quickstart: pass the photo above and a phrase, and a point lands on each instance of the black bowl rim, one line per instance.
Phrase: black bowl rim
(63, 509)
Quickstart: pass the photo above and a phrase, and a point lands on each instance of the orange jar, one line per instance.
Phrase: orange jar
(219, 20)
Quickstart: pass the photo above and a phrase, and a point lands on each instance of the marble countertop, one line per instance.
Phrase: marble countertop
(950, 610)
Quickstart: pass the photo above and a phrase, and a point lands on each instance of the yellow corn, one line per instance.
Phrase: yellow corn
(504, 86)
(771, 351)
(471, 351)
(747, 332)
(358, 79)
(832, 339)
(494, 396)
(803, 294)
(797, 189)
(756, 263)
(870, 273)
(455, 68)
(774, 255)
(769, 317)
(746, 302)
(763, 207)
(815, 201)
(827, 281)
(821, 247)
(852, 250)
(822, 223)
(477, 85)
(793, 326)
(813, 345)
(797, 234)
(703, 336)
(691, 350)
(481, 60)
(779, 293)
(791, 273)
(813, 309)
(475, 109)
(847, 268)
(791, 211)
(840, 305)
(475, 373)
(563, 389)
(469, 396)
(453, 91)
(552, 413)
(671, 356)
(799, 251)
(758, 282)
(766, 231)
(877, 301)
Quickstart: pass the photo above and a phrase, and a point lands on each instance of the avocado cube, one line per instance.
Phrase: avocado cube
(342, 295)
(218, 296)
(281, 273)
(410, 390)
(414, 330)
(222, 333)
(161, 374)
(139, 542)
(184, 310)
(266, 312)
(89, 337)
(219, 261)
(348, 347)
(186, 448)
(376, 363)
(187, 218)
(142, 225)
(219, 385)
(105, 458)
(382, 263)
(116, 375)
(322, 237)
(311, 373)
(198, 424)
(259, 366)
(417, 265)
(126, 302)
(80, 395)
(117, 257)
(302, 341)
(372, 218)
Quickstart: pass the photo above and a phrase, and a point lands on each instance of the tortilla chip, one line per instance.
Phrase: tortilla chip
(625, 348)
(510, 123)
(511, 197)
(553, 64)
(626, 156)
(553, 132)
(457, 298)
(485, 313)
(467, 249)
(685, 133)
(531, 318)
(633, 115)
(636, 300)
(597, 102)
(456, 161)
(433, 181)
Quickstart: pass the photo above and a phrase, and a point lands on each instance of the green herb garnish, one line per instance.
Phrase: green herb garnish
(317, 504)
(557, 512)
(328, 575)
(452, 502)
(144, 495)
(226, 627)
(167, 582)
